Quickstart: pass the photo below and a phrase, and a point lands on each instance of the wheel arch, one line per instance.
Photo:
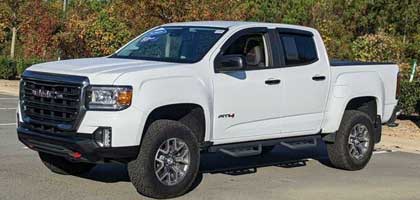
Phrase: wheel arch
(366, 104)
(192, 115)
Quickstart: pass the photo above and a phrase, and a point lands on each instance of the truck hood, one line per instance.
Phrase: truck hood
(99, 70)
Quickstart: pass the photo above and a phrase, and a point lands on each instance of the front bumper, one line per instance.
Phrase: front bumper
(77, 147)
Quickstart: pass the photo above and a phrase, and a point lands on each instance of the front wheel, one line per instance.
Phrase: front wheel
(168, 160)
(354, 142)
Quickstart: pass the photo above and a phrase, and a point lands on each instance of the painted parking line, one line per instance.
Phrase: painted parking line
(384, 151)
(7, 124)
(7, 108)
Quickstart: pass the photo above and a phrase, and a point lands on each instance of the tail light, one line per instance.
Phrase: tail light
(398, 91)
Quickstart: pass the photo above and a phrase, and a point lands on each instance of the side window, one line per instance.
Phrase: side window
(252, 47)
(298, 49)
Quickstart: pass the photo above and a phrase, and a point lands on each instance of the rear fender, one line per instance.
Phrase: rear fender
(349, 86)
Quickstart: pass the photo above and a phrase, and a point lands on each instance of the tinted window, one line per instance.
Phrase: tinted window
(172, 44)
(251, 47)
(298, 49)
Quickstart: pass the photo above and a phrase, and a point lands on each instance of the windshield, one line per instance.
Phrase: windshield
(172, 44)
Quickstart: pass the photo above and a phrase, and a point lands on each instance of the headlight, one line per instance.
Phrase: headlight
(109, 97)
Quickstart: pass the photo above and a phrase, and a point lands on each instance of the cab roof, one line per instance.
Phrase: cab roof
(220, 24)
(235, 24)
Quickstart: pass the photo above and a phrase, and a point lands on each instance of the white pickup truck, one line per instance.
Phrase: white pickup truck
(183, 89)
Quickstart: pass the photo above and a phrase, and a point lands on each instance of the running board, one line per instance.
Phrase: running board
(252, 148)
(242, 151)
(300, 144)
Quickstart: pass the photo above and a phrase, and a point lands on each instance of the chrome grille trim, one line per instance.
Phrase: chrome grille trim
(52, 103)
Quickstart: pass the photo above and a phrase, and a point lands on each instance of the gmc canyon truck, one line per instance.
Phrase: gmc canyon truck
(182, 89)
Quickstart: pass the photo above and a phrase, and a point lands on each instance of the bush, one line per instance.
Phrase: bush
(377, 47)
(23, 64)
(409, 101)
(7, 68)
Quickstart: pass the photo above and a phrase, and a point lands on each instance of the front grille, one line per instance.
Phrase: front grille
(50, 104)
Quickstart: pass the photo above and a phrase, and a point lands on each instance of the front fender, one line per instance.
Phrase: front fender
(349, 86)
(155, 93)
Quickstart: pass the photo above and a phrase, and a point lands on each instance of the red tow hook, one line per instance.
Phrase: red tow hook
(76, 155)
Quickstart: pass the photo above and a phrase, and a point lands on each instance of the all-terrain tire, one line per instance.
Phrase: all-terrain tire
(142, 169)
(339, 151)
(62, 166)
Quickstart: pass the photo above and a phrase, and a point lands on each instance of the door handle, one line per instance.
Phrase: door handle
(272, 81)
(318, 78)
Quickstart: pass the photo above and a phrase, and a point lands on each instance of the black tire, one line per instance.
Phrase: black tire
(62, 166)
(142, 169)
(339, 151)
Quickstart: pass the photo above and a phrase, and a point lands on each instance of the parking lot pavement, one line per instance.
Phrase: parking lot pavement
(393, 175)
(8, 106)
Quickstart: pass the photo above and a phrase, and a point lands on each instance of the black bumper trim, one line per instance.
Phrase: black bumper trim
(391, 122)
(377, 129)
(65, 146)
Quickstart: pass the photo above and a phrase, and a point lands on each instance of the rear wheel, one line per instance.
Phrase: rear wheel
(354, 142)
(62, 166)
(168, 161)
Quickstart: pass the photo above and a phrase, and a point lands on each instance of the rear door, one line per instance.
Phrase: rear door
(305, 80)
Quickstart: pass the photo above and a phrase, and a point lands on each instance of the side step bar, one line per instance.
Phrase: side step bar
(242, 151)
(253, 148)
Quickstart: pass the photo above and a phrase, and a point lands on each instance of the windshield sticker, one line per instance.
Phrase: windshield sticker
(159, 31)
(219, 31)
(148, 39)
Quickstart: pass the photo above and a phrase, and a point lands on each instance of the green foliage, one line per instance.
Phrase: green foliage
(106, 35)
(264, 10)
(366, 30)
(376, 47)
(409, 101)
(11, 69)
(99, 27)
(7, 68)
(413, 47)
(23, 64)
(298, 12)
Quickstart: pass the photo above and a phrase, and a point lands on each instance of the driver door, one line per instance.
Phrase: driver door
(247, 102)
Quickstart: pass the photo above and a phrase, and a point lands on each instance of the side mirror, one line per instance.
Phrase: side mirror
(232, 62)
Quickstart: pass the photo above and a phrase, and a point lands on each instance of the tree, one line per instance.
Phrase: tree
(71, 40)
(106, 34)
(39, 30)
(377, 47)
(263, 10)
(11, 12)
(2, 32)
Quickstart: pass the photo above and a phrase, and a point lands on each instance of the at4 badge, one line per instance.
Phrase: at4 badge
(228, 115)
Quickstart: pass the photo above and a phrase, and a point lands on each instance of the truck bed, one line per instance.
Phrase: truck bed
(368, 78)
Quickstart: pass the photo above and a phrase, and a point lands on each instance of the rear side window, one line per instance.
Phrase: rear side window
(298, 49)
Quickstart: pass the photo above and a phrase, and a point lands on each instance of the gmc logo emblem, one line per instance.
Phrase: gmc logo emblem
(47, 94)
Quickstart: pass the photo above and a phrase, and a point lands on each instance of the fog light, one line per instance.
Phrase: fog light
(103, 136)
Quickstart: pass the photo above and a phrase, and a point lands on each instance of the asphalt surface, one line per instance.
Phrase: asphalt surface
(282, 174)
